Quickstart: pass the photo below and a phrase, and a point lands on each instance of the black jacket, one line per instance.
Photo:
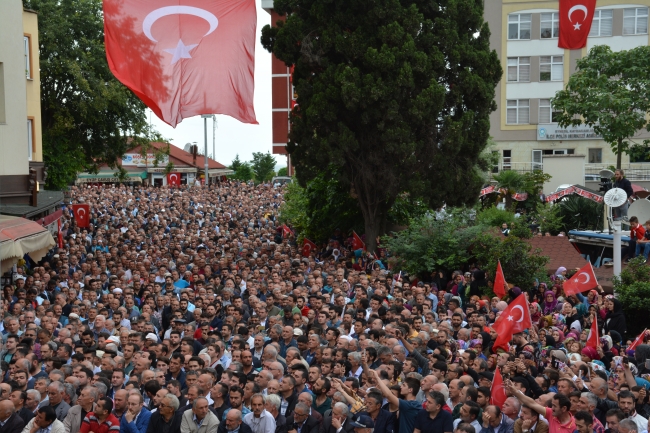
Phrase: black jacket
(625, 185)
(291, 404)
(281, 424)
(26, 415)
(615, 319)
(14, 424)
(311, 425)
(327, 427)
(385, 422)
(156, 423)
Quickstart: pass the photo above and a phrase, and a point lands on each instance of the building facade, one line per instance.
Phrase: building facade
(283, 96)
(22, 172)
(525, 35)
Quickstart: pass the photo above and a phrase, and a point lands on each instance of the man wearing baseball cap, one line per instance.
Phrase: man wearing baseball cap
(363, 424)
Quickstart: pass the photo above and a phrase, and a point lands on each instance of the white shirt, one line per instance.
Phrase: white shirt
(474, 424)
(264, 424)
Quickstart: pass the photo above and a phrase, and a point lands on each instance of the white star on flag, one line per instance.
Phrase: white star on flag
(576, 26)
(510, 318)
(181, 51)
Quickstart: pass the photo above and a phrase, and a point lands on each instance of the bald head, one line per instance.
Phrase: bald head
(7, 409)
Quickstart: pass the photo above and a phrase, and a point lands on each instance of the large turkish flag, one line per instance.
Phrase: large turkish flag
(174, 179)
(184, 57)
(583, 280)
(575, 22)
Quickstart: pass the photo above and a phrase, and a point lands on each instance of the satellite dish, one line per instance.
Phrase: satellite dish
(640, 209)
(606, 174)
(615, 197)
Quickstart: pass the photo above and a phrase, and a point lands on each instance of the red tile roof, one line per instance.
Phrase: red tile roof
(186, 158)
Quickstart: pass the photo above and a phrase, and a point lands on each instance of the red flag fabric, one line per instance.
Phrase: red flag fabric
(174, 179)
(184, 57)
(286, 231)
(497, 392)
(639, 340)
(514, 319)
(499, 288)
(575, 23)
(307, 247)
(59, 234)
(81, 214)
(357, 243)
(594, 339)
(583, 280)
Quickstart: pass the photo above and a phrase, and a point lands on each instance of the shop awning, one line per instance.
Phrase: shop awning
(20, 236)
(109, 177)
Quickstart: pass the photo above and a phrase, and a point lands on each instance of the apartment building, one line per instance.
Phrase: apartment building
(525, 36)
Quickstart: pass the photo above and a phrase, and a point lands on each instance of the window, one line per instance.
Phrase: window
(28, 60)
(495, 154)
(551, 68)
(518, 111)
(519, 26)
(30, 139)
(550, 25)
(559, 151)
(519, 69)
(537, 160)
(595, 156)
(507, 160)
(635, 21)
(546, 113)
(602, 23)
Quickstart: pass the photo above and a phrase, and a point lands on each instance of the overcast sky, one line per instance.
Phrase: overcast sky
(232, 136)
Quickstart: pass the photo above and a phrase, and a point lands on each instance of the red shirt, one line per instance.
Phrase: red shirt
(638, 232)
(91, 424)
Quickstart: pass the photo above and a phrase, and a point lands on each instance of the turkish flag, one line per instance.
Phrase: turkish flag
(514, 319)
(497, 392)
(594, 339)
(174, 179)
(357, 243)
(575, 23)
(286, 231)
(81, 214)
(639, 340)
(499, 288)
(184, 57)
(583, 280)
(307, 247)
(59, 234)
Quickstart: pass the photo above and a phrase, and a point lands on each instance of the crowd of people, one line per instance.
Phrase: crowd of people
(194, 309)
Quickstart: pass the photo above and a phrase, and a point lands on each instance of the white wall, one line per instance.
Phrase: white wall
(564, 169)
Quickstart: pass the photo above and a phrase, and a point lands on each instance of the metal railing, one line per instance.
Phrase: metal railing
(633, 171)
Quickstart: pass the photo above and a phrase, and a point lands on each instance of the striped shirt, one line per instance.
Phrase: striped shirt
(91, 424)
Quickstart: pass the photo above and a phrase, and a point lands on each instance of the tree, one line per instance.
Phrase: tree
(263, 166)
(633, 290)
(243, 170)
(609, 92)
(283, 172)
(236, 163)
(396, 93)
(87, 115)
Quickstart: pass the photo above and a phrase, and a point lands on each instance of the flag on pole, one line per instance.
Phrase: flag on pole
(583, 280)
(59, 233)
(499, 282)
(638, 340)
(514, 319)
(286, 231)
(357, 243)
(81, 214)
(497, 392)
(174, 179)
(307, 247)
(594, 339)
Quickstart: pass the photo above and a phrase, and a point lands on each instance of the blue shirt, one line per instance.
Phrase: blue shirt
(408, 411)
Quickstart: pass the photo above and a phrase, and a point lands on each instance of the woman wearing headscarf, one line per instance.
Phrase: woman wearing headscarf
(561, 272)
(550, 302)
(615, 319)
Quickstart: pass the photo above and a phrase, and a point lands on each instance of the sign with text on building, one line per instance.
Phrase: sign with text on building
(136, 159)
(555, 132)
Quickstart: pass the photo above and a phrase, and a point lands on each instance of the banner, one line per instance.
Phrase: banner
(487, 190)
(574, 189)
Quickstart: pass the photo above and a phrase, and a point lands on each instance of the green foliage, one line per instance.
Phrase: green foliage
(494, 217)
(608, 91)
(395, 94)
(633, 290)
(263, 166)
(319, 209)
(433, 243)
(579, 213)
(87, 114)
(549, 219)
(520, 265)
(512, 182)
(243, 170)
(283, 172)
(520, 229)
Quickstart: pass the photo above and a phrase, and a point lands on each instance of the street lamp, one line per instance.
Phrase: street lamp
(205, 155)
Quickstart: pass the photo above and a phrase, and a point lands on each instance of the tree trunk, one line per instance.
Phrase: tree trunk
(619, 153)
(374, 209)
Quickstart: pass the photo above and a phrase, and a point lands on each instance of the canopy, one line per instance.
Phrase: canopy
(20, 236)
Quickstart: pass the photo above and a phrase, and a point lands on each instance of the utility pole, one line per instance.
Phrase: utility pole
(205, 155)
